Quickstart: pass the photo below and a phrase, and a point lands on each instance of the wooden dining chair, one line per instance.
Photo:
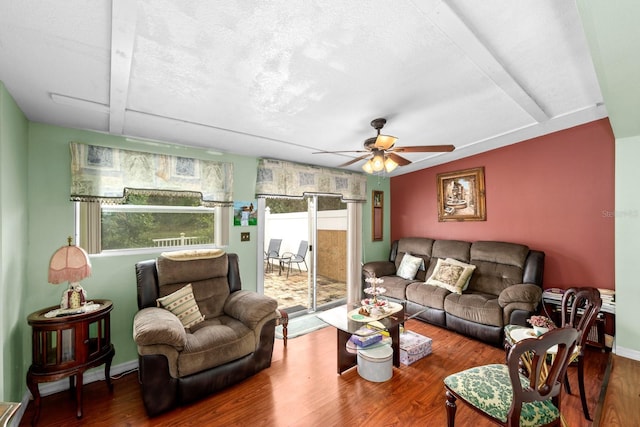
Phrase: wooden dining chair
(579, 309)
(505, 396)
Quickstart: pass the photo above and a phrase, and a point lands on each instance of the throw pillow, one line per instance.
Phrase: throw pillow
(183, 305)
(451, 274)
(409, 266)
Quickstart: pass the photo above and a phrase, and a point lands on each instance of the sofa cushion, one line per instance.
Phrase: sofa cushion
(521, 293)
(188, 271)
(395, 286)
(192, 254)
(409, 266)
(476, 307)
(208, 278)
(451, 274)
(500, 253)
(427, 295)
(250, 307)
(499, 265)
(525, 297)
(420, 247)
(378, 269)
(213, 343)
(183, 305)
(153, 325)
(456, 249)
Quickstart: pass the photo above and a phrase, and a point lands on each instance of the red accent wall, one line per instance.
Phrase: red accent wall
(554, 193)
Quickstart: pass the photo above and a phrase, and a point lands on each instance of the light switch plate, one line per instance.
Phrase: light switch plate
(245, 236)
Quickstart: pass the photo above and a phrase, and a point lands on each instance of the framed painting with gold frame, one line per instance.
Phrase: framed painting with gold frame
(461, 195)
(377, 209)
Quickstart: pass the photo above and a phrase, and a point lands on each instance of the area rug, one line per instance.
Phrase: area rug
(302, 325)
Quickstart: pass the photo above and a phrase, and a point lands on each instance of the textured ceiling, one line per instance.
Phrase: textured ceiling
(284, 79)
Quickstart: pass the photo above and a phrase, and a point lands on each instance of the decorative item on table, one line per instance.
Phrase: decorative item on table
(364, 311)
(541, 324)
(70, 264)
(374, 290)
(371, 302)
(366, 341)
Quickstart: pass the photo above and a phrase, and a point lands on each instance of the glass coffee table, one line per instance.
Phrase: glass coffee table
(347, 322)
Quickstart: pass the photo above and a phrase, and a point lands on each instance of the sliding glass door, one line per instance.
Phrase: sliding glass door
(308, 271)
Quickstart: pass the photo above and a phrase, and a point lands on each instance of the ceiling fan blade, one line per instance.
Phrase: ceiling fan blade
(401, 161)
(424, 149)
(350, 162)
(338, 152)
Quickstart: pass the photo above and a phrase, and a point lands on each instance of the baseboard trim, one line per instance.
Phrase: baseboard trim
(96, 374)
(627, 352)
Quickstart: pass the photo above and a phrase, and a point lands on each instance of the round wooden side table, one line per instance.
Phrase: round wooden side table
(66, 345)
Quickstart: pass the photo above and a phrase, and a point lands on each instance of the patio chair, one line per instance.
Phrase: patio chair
(289, 258)
(273, 252)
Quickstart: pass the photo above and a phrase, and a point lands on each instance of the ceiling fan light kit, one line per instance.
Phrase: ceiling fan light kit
(378, 163)
(382, 152)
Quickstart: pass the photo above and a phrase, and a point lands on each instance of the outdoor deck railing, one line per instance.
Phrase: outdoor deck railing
(181, 241)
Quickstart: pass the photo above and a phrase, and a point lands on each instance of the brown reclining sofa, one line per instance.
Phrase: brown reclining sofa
(504, 286)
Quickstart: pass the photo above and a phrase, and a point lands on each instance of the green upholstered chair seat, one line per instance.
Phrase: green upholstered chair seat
(488, 388)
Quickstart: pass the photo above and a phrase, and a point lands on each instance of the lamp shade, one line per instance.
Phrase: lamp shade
(384, 142)
(367, 167)
(389, 164)
(69, 264)
(377, 162)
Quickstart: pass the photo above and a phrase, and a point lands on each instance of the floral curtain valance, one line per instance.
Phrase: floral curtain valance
(279, 178)
(104, 174)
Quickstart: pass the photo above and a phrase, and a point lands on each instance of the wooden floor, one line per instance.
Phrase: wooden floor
(621, 404)
(301, 388)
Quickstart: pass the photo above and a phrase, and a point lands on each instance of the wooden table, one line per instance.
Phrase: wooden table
(345, 326)
(67, 345)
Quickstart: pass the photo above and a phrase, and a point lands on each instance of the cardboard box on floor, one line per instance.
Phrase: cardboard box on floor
(413, 347)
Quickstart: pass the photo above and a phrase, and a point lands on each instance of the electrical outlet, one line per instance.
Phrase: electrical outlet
(245, 236)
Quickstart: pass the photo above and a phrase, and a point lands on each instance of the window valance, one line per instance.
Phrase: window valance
(278, 178)
(104, 174)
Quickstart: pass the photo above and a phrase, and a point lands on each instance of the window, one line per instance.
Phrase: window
(151, 221)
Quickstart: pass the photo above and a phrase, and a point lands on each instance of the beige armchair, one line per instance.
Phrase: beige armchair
(209, 335)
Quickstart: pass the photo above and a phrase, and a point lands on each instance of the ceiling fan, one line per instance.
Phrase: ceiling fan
(381, 151)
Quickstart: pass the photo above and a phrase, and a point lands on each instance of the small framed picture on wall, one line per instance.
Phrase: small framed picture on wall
(377, 209)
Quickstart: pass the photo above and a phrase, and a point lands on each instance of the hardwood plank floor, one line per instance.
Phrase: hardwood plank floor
(624, 380)
(301, 388)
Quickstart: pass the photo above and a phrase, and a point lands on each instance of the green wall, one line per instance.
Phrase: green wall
(627, 247)
(379, 250)
(13, 244)
(51, 220)
(612, 33)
